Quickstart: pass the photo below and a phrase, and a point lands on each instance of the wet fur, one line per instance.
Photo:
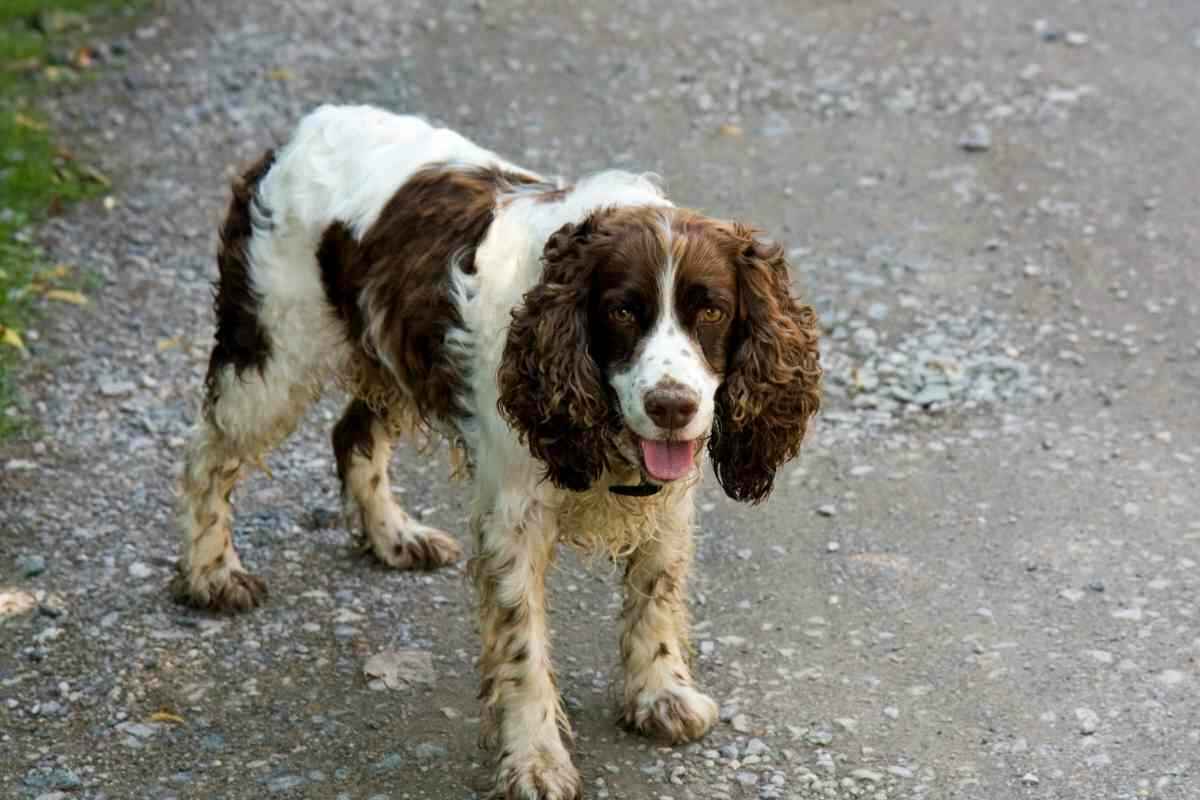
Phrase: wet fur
(450, 291)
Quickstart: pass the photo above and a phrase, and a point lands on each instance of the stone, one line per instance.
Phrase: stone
(1089, 721)
(284, 783)
(114, 388)
(400, 669)
(977, 139)
(31, 566)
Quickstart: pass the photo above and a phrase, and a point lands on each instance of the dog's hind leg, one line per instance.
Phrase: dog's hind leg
(262, 376)
(362, 444)
(244, 417)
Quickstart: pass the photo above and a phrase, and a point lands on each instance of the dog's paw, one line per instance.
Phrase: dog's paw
(422, 548)
(225, 591)
(545, 774)
(672, 714)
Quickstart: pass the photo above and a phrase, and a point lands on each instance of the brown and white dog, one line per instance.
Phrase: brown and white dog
(582, 346)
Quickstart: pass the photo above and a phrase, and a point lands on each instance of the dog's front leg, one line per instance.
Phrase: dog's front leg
(522, 712)
(660, 698)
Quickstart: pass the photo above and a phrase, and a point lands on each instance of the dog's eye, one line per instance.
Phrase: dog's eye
(620, 314)
(710, 315)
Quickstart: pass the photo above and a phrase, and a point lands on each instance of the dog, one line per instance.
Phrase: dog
(581, 346)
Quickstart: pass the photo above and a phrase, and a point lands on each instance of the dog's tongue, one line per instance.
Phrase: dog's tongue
(668, 461)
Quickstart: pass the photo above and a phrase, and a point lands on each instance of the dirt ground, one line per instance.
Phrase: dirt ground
(980, 579)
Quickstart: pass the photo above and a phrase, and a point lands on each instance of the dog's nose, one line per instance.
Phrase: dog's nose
(671, 407)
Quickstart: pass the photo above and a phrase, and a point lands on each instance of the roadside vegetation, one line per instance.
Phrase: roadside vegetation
(44, 49)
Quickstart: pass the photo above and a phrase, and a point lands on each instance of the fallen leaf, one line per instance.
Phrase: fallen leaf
(400, 668)
(167, 344)
(11, 338)
(55, 273)
(65, 296)
(23, 65)
(24, 121)
(14, 602)
(95, 176)
(730, 130)
(162, 715)
(279, 74)
(56, 20)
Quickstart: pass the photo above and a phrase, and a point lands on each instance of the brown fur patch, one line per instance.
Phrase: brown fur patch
(241, 339)
(773, 386)
(399, 271)
(351, 435)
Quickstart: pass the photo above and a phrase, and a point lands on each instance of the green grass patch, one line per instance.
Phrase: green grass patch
(43, 48)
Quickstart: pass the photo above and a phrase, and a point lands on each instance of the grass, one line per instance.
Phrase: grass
(40, 50)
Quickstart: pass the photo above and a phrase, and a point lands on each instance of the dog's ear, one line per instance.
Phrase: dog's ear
(551, 389)
(772, 386)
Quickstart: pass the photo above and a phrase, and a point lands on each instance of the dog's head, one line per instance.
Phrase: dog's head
(653, 331)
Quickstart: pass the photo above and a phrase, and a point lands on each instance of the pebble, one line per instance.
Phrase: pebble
(1171, 677)
(31, 565)
(391, 761)
(1089, 721)
(756, 747)
(878, 311)
(115, 388)
(729, 751)
(140, 570)
(285, 783)
(746, 778)
(827, 510)
(820, 738)
(141, 730)
(869, 775)
(740, 723)
(429, 751)
(977, 139)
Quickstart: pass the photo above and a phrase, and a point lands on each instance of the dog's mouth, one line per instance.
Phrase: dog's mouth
(668, 460)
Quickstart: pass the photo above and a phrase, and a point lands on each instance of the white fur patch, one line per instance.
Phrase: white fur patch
(668, 354)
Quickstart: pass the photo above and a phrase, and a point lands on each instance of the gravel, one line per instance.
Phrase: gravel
(979, 301)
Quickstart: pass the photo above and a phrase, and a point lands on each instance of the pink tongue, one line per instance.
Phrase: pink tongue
(668, 461)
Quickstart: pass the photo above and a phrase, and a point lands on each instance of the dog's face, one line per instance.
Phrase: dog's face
(660, 313)
(653, 331)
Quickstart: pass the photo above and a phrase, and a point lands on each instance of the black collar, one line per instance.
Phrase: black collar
(643, 489)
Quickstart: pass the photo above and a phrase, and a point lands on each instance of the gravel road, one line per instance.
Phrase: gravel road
(980, 580)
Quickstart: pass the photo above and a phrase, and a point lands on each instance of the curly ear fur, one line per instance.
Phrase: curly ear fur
(551, 389)
(773, 385)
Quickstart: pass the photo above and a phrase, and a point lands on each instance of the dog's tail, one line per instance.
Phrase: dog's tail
(241, 339)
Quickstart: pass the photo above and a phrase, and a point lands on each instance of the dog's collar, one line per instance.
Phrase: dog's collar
(643, 489)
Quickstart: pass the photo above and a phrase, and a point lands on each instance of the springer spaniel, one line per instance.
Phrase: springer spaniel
(581, 346)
